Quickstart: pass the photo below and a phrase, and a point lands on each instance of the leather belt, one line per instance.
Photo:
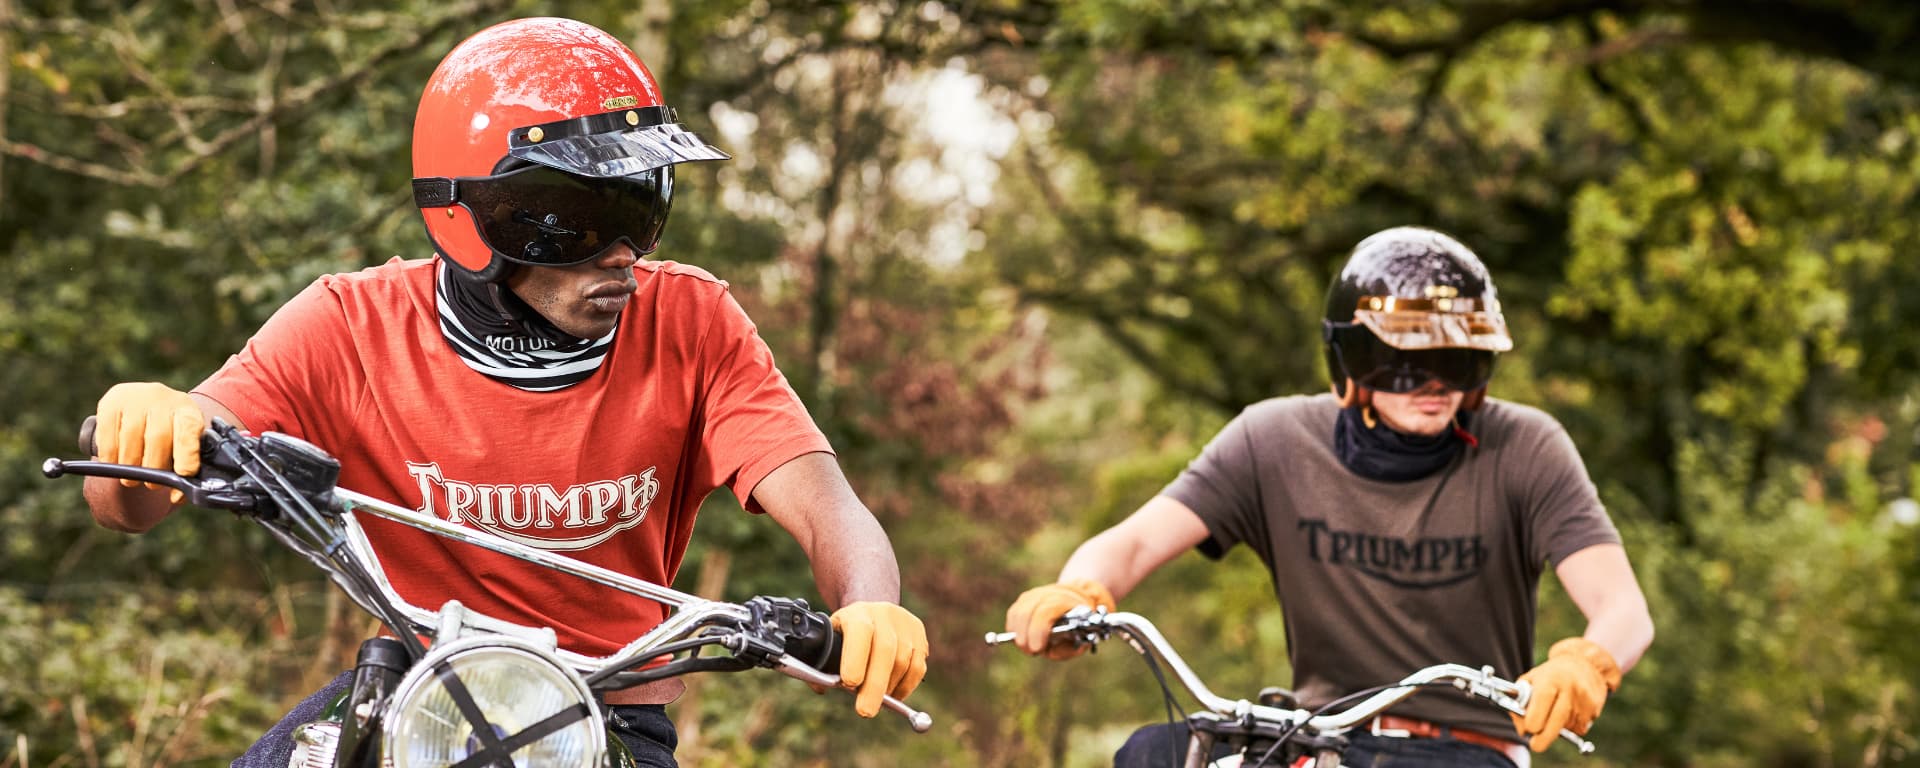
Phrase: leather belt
(656, 692)
(1394, 726)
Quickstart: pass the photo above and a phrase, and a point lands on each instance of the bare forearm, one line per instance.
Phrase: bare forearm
(1110, 558)
(1625, 629)
(1601, 583)
(856, 564)
(128, 510)
(1119, 558)
(851, 556)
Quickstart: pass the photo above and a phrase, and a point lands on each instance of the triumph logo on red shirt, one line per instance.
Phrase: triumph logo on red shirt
(537, 514)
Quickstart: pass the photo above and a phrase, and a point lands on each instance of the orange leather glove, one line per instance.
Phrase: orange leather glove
(883, 649)
(1569, 690)
(149, 424)
(1032, 615)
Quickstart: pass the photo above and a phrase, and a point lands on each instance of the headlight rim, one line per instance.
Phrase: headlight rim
(413, 684)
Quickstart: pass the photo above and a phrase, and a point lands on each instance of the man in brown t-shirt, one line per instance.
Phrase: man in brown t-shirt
(1406, 519)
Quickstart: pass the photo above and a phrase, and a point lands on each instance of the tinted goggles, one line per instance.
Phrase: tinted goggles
(1374, 364)
(545, 217)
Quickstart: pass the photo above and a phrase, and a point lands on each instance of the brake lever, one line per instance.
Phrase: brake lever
(1516, 703)
(798, 670)
(210, 493)
(1085, 626)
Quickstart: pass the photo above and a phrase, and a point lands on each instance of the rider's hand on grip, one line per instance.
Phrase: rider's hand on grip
(148, 424)
(1569, 690)
(883, 650)
(1032, 616)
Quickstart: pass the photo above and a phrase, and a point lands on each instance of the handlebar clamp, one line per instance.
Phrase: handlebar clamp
(794, 628)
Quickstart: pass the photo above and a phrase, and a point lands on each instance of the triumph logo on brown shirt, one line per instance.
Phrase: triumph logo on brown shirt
(1422, 563)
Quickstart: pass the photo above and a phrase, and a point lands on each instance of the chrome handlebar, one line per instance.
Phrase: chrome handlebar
(1091, 626)
(692, 613)
(693, 616)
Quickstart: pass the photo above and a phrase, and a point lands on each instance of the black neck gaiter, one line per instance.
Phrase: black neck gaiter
(1380, 453)
(497, 334)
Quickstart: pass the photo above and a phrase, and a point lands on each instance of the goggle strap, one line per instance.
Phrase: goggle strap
(435, 192)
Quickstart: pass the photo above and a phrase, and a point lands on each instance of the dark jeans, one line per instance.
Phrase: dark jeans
(645, 729)
(647, 732)
(1165, 745)
(275, 749)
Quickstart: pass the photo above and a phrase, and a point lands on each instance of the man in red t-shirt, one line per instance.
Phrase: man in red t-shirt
(538, 381)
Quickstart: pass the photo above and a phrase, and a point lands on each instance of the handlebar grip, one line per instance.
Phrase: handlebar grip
(818, 645)
(86, 436)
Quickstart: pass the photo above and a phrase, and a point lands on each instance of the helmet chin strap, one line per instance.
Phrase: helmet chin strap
(497, 292)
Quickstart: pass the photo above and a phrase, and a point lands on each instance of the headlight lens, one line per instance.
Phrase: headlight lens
(536, 710)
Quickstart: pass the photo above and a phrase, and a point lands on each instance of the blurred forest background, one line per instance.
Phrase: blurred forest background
(1022, 259)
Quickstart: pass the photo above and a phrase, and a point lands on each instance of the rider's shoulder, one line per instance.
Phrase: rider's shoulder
(676, 273)
(1292, 408)
(1509, 417)
(396, 272)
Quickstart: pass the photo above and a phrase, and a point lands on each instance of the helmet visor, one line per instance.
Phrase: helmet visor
(1376, 365)
(540, 216)
(1435, 323)
(618, 143)
(621, 153)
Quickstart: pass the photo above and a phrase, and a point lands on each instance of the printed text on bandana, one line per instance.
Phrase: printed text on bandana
(537, 514)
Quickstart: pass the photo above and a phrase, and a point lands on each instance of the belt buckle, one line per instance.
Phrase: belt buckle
(1392, 733)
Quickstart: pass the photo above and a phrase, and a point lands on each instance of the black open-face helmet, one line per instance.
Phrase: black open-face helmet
(1411, 306)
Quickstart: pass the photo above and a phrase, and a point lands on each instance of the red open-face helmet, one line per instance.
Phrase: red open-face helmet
(543, 142)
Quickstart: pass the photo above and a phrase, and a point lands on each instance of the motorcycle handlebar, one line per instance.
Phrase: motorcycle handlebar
(1091, 626)
(795, 640)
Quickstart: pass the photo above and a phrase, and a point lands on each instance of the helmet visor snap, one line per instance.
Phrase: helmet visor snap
(1435, 323)
(544, 217)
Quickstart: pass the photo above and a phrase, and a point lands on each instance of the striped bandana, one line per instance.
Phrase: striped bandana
(496, 334)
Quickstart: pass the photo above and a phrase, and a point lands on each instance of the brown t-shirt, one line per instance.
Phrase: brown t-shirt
(1380, 579)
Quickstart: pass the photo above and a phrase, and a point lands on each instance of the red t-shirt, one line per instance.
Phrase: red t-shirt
(610, 471)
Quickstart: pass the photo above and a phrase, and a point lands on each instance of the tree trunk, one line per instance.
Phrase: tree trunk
(6, 71)
(650, 39)
(824, 323)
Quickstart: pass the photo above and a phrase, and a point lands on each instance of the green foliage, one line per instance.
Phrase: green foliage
(1021, 259)
(94, 685)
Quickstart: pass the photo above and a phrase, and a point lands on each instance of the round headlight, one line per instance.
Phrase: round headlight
(479, 699)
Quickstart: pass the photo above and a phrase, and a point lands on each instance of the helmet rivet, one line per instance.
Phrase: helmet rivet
(633, 118)
(449, 211)
(535, 134)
